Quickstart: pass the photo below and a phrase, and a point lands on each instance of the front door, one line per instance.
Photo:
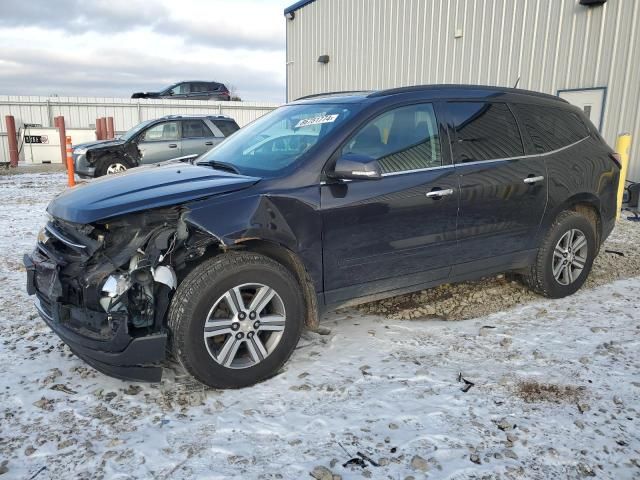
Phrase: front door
(399, 231)
(160, 142)
(503, 193)
(199, 91)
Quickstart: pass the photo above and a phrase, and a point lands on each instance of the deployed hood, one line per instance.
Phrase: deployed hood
(144, 188)
(101, 143)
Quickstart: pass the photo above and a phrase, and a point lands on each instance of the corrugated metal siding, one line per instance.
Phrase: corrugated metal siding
(82, 112)
(4, 147)
(550, 44)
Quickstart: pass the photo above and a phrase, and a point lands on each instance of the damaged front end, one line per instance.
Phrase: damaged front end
(105, 287)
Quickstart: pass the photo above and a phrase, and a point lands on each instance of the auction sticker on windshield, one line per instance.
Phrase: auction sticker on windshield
(317, 120)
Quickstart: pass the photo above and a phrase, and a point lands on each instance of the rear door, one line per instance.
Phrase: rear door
(160, 142)
(503, 192)
(560, 137)
(197, 137)
(199, 91)
(399, 231)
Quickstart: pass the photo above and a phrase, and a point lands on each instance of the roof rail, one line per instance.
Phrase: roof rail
(196, 115)
(417, 88)
(329, 94)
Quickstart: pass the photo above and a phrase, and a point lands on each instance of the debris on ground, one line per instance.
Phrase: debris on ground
(532, 391)
(467, 384)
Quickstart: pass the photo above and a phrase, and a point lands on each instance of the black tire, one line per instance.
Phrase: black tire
(540, 277)
(195, 297)
(102, 165)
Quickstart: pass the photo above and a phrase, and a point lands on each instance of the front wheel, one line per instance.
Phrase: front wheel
(111, 166)
(565, 257)
(236, 319)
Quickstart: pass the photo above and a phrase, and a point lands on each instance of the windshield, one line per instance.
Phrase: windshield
(133, 131)
(279, 139)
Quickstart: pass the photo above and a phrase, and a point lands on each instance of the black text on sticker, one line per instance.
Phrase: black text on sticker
(317, 120)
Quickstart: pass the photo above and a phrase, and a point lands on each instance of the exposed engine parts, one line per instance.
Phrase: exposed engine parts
(126, 267)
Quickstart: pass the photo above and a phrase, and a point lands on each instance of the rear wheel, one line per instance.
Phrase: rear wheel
(565, 257)
(236, 319)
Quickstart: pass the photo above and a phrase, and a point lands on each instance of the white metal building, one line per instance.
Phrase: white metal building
(587, 54)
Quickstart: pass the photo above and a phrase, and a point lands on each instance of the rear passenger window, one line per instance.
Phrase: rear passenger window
(484, 131)
(401, 139)
(550, 128)
(227, 127)
(195, 129)
(199, 87)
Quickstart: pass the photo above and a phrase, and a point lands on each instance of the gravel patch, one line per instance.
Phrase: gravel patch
(466, 300)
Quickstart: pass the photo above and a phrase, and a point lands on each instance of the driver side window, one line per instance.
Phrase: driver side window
(161, 132)
(402, 139)
(180, 89)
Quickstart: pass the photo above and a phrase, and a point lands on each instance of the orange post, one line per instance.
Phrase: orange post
(70, 168)
(62, 131)
(99, 132)
(12, 138)
(110, 131)
(103, 128)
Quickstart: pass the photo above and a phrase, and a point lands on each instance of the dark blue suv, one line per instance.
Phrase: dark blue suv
(331, 200)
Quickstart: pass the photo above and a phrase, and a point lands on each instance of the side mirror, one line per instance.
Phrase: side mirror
(354, 166)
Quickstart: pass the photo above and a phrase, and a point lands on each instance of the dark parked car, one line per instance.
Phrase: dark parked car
(191, 90)
(328, 201)
(151, 142)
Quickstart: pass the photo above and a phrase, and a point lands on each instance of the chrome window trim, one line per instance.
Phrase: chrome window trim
(535, 155)
(391, 174)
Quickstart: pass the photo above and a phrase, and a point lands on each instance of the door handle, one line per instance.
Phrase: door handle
(173, 145)
(439, 193)
(208, 143)
(530, 180)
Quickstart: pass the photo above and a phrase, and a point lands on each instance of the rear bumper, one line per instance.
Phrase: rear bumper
(121, 355)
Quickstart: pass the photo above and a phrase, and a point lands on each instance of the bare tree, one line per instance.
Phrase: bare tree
(233, 92)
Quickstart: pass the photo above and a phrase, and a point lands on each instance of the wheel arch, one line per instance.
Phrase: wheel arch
(213, 245)
(294, 264)
(586, 204)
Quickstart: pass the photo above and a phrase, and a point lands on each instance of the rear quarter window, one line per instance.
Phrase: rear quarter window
(550, 128)
(227, 127)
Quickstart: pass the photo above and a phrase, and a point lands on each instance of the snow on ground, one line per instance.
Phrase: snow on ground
(556, 390)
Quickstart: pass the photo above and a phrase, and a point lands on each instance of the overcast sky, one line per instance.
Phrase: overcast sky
(112, 48)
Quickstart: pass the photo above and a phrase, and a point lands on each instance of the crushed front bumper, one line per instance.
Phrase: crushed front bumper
(82, 167)
(118, 354)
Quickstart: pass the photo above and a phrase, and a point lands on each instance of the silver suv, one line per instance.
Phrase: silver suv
(153, 141)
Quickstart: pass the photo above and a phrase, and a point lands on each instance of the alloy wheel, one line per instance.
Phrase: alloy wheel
(116, 168)
(245, 325)
(569, 256)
